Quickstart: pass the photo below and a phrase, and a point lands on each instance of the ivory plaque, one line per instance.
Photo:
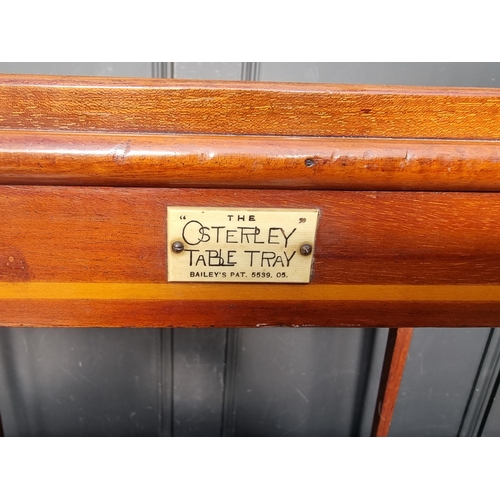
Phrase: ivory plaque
(240, 244)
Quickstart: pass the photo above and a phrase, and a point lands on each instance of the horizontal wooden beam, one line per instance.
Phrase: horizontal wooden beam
(251, 108)
(55, 158)
(84, 256)
(67, 234)
(406, 182)
(90, 234)
(239, 313)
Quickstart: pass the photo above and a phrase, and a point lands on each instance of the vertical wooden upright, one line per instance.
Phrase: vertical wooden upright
(398, 345)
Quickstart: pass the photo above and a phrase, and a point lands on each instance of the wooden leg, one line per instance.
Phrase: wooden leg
(398, 344)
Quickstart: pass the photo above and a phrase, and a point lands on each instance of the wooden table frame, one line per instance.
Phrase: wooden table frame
(406, 180)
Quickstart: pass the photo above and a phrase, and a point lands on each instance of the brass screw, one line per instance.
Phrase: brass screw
(306, 249)
(177, 246)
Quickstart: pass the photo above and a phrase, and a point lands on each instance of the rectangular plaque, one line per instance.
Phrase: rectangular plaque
(254, 245)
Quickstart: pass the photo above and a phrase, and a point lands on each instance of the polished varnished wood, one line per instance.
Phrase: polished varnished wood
(398, 345)
(380, 258)
(265, 162)
(258, 312)
(246, 108)
(85, 234)
(406, 181)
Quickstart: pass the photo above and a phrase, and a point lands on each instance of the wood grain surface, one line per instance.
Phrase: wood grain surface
(85, 234)
(95, 255)
(63, 312)
(55, 158)
(88, 167)
(398, 346)
(246, 108)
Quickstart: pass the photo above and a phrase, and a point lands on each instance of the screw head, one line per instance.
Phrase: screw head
(306, 249)
(177, 246)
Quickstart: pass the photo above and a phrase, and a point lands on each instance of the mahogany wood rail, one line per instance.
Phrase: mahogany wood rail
(406, 181)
